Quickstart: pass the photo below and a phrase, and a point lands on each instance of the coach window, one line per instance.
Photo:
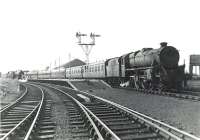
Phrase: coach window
(101, 67)
(95, 68)
(122, 61)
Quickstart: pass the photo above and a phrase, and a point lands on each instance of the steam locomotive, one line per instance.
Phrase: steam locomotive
(144, 69)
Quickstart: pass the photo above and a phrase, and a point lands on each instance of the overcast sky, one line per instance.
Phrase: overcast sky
(34, 34)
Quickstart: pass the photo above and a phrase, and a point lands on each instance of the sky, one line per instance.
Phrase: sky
(34, 34)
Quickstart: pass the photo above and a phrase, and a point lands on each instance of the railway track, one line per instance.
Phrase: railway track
(114, 121)
(19, 119)
(186, 95)
(18, 99)
(81, 124)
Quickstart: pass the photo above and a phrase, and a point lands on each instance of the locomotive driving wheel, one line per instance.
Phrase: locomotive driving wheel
(146, 84)
(134, 82)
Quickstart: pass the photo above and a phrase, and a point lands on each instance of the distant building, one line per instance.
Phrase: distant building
(194, 67)
(73, 63)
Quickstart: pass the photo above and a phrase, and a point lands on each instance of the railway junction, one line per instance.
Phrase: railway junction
(82, 109)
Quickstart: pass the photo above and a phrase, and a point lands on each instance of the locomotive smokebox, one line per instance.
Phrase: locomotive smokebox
(169, 56)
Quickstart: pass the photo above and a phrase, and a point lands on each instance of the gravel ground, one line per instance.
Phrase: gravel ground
(9, 91)
(182, 114)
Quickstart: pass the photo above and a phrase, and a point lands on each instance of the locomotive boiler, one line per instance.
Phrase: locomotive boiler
(167, 56)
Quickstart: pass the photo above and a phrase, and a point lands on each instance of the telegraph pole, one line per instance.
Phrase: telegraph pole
(86, 47)
(69, 55)
(59, 63)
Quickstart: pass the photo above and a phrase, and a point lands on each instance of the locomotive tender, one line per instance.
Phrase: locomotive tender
(147, 69)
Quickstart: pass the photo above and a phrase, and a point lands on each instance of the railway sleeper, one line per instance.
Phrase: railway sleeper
(47, 127)
(46, 137)
(81, 136)
(119, 123)
(77, 126)
(76, 122)
(10, 120)
(83, 130)
(17, 112)
(149, 136)
(132, 131)
(14, 122)
(107, 114)
(120, 119)
(125, 127)
(74, 113)
(101, 109)
(109, 117)
(5, 130)
(104, 111)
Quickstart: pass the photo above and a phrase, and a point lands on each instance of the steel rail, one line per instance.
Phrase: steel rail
(144, 118)
(14, 102)
(113, 135)
(83, 109)
(20, 123)
(37, 115)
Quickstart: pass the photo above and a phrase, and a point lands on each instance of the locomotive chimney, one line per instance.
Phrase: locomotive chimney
(163, 44)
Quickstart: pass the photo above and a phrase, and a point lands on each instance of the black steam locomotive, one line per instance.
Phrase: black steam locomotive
(147, 69)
